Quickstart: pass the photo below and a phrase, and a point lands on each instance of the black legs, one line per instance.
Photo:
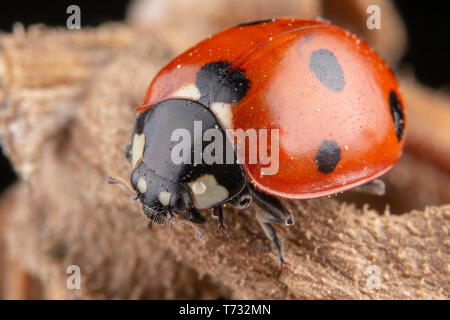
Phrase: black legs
(271, 211)
(274, 209)
(218, 212)
(195, 216)
(271, 233)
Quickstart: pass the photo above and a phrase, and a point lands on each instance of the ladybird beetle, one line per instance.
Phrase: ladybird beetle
(329, 99)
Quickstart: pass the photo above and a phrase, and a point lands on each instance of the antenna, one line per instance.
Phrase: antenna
(112, 180)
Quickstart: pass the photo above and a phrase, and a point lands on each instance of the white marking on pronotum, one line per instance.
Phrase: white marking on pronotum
(214, 193)
(223, 113)
(198, 187)
(137, 152)
(164, 198)
(142, 185)
(188, 91)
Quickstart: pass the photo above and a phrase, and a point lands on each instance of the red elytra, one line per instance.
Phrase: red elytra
(334, 100)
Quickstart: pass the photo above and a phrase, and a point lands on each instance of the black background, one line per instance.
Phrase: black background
(427, 26)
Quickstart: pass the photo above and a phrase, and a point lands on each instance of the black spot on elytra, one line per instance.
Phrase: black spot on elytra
(217, 83)
(328, 156)
(397, 114)
(253, 23)
(327, 69)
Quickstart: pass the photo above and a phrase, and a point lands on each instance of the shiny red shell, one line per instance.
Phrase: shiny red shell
(362, 114)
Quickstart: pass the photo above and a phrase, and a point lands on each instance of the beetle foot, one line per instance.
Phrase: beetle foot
(283, 264)
(222, 227)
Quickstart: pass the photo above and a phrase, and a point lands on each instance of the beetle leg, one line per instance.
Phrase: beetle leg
(218, 212)
(271, 233)
(195, 216)
(375, 187)
(274, 210)
(243, 200)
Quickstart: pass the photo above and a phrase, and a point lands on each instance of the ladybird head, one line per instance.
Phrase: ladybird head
(159, 197)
